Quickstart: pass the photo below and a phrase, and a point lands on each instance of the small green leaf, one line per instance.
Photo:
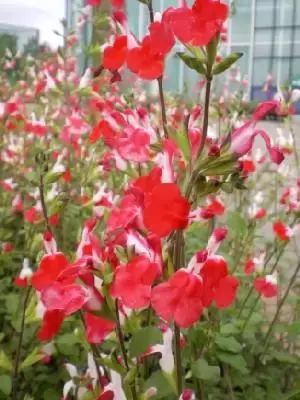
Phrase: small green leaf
(52, 177)
(294, 328)
(31, 177)
(201, 370)
(235, 360)
(35, 356)
(5, 362)
(182, 140)
(228, 344)
(285, 357)
(226, 63)
(228, 329)
(290, 396)
(143, 339)
(193, 63)
(236, 224)
(5, 384)
(163, 385)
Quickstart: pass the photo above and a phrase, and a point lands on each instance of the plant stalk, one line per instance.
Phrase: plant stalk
(15, 377)
(43, 203)
(160, 84)
(206, 117)
(280, 305)
(178, 260)
(123, 348)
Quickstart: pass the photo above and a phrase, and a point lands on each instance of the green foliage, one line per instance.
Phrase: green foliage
(226, 63)
(205, 372)
(143, 339)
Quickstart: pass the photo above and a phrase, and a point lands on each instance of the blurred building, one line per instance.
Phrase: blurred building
(266, 31)
(23, 16)
(22, 34)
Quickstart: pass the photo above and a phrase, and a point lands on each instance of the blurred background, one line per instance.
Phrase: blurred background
(266, 31)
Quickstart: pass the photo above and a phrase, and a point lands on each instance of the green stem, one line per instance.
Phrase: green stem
(229, 382)
(160, 84)
(178, 260)
(43, 203)
(120, 336)
(194, 173)
(205, 118)
(265, 266)
(280, 305)
(15, 377)
(95, 352)
(123, 348)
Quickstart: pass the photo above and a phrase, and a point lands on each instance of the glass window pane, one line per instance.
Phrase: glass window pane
(243, 63)
(191, 78)
(288, 12)
(262, 50)
(285, 70)
(263, 35)
(264, 16)
(284, 49)
(260, 71)
(241, 24)
(265, 3)
(296, 68)
(171, 81)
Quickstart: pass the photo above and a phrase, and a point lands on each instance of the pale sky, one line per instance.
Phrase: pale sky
(42, 14)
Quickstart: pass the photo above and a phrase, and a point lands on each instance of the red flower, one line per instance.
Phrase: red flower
(123, 215)
(242, 139)
(198, 26)
(135, 147)
(142, 61)
(179, 299)
(30, 215)
(133, 282)
(97, 328)
(118, 3)
(166, 210)
(49, 269)
(93, 3)
(115, 56)
(266, 286)
(218, 285)
(52, 321)
(161, 37)
(66, 298)
(282, 231)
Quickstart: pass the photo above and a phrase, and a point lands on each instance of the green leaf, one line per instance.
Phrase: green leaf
(52, 177)
(201, 370)
(35, 356)
(285, 357)
(226, 63)
(236, 224)
(228, 329)
(193, 63)
(294, 328)
(5, 384)
(32, 177)
(235, 360)
(143, 339)
(5, 362)
(181, 139)
(291, 395)
(164, 386)
(228, 344)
